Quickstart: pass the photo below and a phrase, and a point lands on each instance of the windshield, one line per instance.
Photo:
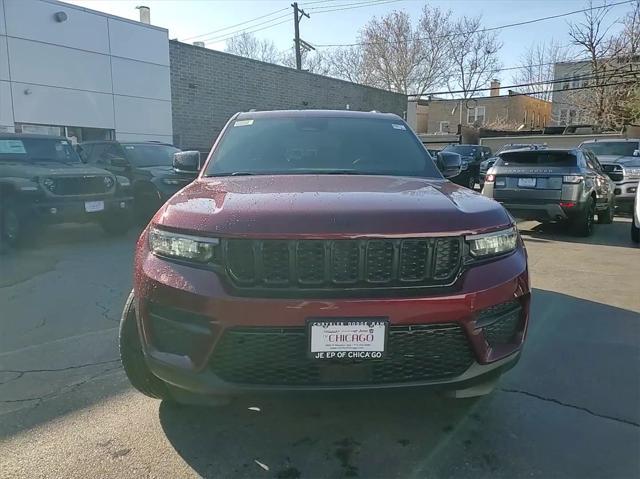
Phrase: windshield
(613, 148)
(320, 145)
(142, 155)
(465, 150)
(534, 157)
(38, 149)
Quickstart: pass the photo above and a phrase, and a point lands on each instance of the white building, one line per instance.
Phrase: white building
(81, 73)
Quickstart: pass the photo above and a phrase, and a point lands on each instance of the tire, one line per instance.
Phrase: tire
(635, 233)
(132, 357)
(10, 225)
(583, 225)
(605, 217)
(116, 224)
(471, 182)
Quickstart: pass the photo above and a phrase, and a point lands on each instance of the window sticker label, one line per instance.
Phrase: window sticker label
(12, 146)
(129, 147)
(397, 126)
(243, 123)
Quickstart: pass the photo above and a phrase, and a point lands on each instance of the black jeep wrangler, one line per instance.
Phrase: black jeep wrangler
(42, 180)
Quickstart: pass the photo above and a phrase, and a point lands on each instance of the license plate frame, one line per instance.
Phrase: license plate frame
(93, 206)
(527, 182)
(318, 330)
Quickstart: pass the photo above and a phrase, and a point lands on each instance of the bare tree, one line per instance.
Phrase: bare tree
(612, 68)
(398, 56)
(473, 52)
(247, 45)
(537, 66)
(348, 64)
(392, 52)
(313, 62)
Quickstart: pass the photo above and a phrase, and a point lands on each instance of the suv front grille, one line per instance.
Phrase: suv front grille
(278, 356)
(614, 172)
(334, 264)
(79, 185)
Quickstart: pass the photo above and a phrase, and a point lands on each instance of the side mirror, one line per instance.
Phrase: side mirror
(636, 152)
(187, 161)
(449, 164)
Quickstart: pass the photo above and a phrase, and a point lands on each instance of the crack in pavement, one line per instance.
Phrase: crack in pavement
(67, 388)
(104, 311)
(572, 406)
(67, 368)
(18, 375)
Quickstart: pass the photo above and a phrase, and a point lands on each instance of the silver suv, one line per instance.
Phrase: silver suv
(552, 185)
(620, 159)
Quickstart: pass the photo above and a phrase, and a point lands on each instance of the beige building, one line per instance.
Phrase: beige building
(507, 112)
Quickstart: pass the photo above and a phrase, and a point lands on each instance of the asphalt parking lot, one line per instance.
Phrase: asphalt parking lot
(570, 408)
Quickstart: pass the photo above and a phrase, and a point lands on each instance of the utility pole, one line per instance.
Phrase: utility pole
(298, 13)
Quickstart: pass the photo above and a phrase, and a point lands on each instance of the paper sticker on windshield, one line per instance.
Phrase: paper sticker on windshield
(243, 123)
(396, 126)
(12, 146)
(129, 147)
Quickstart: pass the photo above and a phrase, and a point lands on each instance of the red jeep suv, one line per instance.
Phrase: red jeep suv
(323, 250)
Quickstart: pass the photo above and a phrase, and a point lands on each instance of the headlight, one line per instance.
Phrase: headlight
(464, 165)
(632, 173)
(108, 182)
(123, 181)
(491, 244)
(49, 184)
(176, 245)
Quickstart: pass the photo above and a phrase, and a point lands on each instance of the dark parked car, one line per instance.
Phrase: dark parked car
(488, 163)
(552, 185)
(472, 157)
(323, 250)
(42, 180)
(149, 167)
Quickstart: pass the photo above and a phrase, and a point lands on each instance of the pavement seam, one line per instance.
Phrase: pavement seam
(64, 389)
(573, 406)
(67, 368)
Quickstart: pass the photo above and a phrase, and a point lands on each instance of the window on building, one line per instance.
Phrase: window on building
(444, 127)
(476, 115)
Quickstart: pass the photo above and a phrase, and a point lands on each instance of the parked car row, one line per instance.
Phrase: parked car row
(44, 180)
(568, 185)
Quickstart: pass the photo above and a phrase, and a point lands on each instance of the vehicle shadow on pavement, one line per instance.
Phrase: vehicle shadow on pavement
(578, 384)
(614, 234)
(328, 434)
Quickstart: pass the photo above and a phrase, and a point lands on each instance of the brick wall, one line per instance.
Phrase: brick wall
(208, 86)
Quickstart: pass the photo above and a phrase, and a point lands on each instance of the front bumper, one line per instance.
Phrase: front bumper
(551, 211)
(67, 210)
(207, 310)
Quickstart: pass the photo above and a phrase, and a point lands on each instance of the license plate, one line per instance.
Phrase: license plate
(527, 182)
(93, 206)
(347, 339)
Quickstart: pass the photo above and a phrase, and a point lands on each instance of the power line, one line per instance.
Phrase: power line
(590, 76)
(350, 6)
(236, 25)
(238, 33)
(489, 29)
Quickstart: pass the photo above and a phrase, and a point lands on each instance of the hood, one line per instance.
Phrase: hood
(329, 205)
(165, 171)
(30, 169)
(614, 158)
(158, 170)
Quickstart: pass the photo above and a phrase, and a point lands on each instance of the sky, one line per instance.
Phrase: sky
(186, 19)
